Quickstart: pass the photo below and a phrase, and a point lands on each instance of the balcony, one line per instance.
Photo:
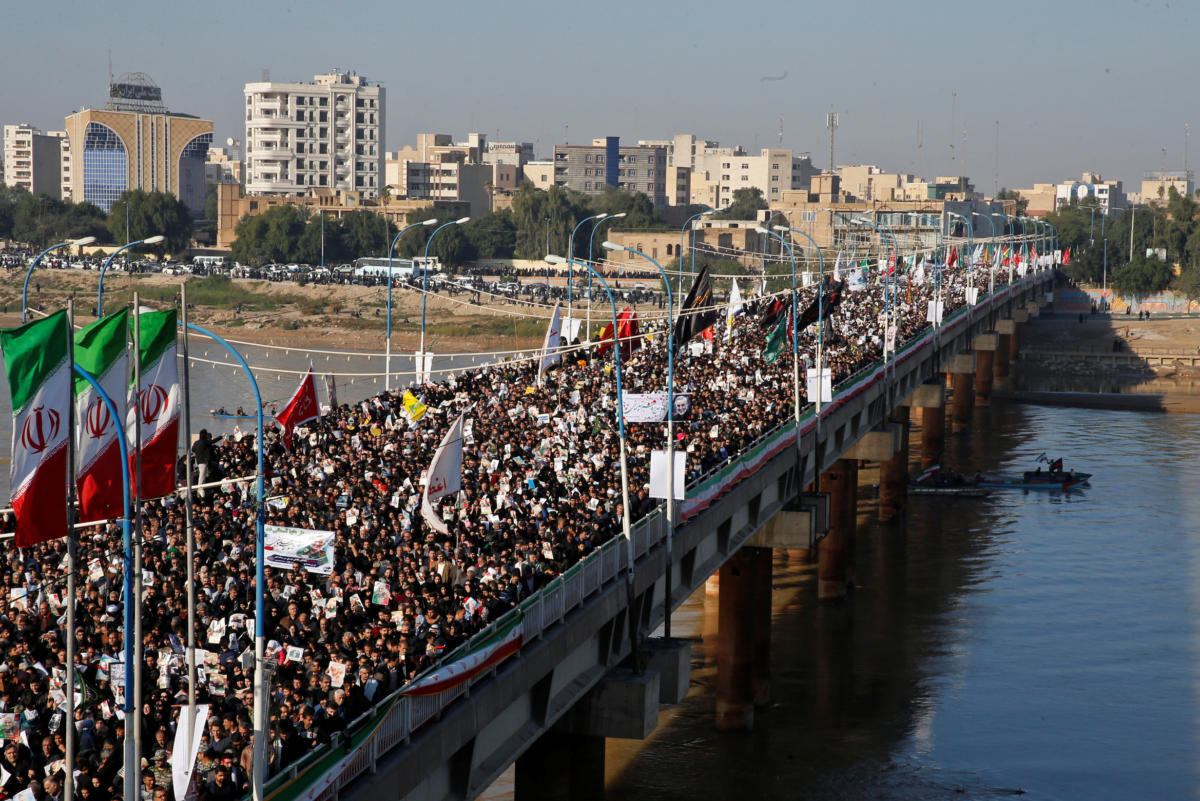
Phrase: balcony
(272, 154)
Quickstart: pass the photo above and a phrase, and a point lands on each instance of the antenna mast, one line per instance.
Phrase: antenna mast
(831, 122)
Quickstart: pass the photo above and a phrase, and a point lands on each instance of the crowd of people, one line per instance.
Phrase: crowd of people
(540, 491)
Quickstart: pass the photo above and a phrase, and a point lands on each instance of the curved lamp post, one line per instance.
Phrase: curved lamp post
(87, 240)
(387, 359)
(425, 288)
(795, 334)
(625, 523)
(992, 237)
(587, 334)
(692, 247)
(132, 767)
(150, 240)
(887, 312)
(258, 770)
(820, 318)
(613, 246)
(571, 258)
(968, 256)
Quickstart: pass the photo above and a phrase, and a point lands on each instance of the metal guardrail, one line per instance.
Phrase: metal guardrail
(1101, 350)
(404, 714)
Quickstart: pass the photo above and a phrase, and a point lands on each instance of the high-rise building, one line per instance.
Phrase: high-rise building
(328, 134)
(591, 168)
(64, 161)
(32, 160)
(134, 142)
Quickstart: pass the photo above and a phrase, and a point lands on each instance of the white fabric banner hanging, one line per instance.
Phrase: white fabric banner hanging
(285, 547)
(658, 474)
(826, 384)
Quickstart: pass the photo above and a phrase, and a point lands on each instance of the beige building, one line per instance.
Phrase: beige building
(136, 143)
(540, 174)
(472, 172)
(1040, 199)
(1157, 185)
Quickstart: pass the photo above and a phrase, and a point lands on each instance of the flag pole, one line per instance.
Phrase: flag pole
(69, 739)
(187, 519)
(136, 601)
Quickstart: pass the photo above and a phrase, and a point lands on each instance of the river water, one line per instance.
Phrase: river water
(1029, 641)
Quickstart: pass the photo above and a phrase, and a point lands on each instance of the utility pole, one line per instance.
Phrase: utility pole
(1132, 220)
(831, 122)
(996, 167)
(953, 105)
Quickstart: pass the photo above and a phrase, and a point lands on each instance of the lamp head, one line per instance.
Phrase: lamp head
(431, 221)
(153, 240)
(617, 216)
(761, 230)
(782, 228)
(87, 240)
(609, 245)
(600, 217)
(462, 220)
(555, 259)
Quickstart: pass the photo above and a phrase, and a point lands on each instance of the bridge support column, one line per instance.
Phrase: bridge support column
(739, 616)
(1019, 317)
(561, 767)
(961, 369)
(893, 472)
(1003, 357)
(985, 346)
(835, 551)
(761, 664)
(931, 400)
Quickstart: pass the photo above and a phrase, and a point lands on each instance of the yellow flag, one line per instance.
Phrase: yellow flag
(415, 409)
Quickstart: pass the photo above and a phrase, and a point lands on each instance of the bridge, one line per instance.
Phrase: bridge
(587, 668)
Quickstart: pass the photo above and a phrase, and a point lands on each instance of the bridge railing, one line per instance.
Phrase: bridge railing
(390, 722)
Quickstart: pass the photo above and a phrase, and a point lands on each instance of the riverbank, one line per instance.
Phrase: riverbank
(313, 316)
(1108, 362)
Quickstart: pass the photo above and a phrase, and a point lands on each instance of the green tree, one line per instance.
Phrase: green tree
(151, 214)
(492, 235)
(41, 220)
(1142, 277)
(364, 233)
(640, 214)
(745, 206)
(271, 237)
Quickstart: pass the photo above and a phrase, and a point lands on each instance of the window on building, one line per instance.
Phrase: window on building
(105, 161)
(650, 173)
(321, 180)
(725, 165)
(632, 158)
(745, 166)
(587, 184)
(587, 157)
(725, 177)
(774, 166)
(324, 101)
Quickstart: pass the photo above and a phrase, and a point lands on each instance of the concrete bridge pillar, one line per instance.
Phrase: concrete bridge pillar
(739, 644)
(961, 369)
(930, 400)
(985, 346)
(835, 551)
(1003, 357)
(1019, 317)
(560, 766)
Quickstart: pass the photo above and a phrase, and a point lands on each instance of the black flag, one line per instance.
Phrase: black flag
(825, 305)
(697, 312)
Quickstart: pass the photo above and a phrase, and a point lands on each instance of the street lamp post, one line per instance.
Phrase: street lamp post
(1011, 224)
(992, 238)
(387, 359)
(692, 247)
(887, 316)
(795, 335)
(820, 321)
(670, 421)
(425, 289)
(87, 240)
(587, 334)
(258, 770)
(967, 257)
(150, 240)
(625, 524)
(571, 258)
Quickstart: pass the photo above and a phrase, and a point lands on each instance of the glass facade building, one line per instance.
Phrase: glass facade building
(105, 166)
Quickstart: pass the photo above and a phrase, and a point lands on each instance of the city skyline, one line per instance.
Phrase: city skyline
(1068, 91)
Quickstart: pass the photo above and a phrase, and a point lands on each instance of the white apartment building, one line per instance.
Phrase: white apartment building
(717, 173)
(328, 134)
(32, 160)
(64, 161)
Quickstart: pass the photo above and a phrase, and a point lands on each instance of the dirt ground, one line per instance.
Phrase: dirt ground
(339, 316)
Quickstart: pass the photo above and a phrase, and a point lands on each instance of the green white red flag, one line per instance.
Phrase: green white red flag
(158, 405)
(495, 649)
(39, 382)
(102, 350)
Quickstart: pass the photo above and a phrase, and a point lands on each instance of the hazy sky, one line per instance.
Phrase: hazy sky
(1075, 84)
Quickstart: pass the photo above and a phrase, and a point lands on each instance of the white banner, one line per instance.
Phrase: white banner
(935, 310)
(972, 295)
(651, 407)
(183, 757)
(571, 327)
(284, 547)
(423, 366)
(444, 477)
(826, 384)
(658, 474)
(550, 345)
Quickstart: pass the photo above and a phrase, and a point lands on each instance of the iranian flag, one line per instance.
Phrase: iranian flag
(101, 350)
(492, 651)
(157, 405)
(39, 381)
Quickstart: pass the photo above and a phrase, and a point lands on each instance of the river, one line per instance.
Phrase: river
(1027, 642)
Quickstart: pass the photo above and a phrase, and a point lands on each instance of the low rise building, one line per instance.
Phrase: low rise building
(1157, 185)
(589, 169)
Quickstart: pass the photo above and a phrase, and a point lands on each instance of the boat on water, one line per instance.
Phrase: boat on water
(936, 480)
(1055, 478)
